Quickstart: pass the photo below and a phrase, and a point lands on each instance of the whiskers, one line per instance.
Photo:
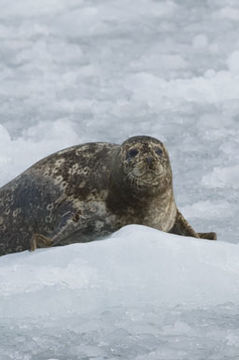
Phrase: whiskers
(134, 181)
(143, 181)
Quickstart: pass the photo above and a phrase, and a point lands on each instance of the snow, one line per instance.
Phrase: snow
(136, 260)
(73, 71)
(140, 293)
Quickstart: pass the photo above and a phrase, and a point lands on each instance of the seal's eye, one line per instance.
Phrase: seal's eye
(132, 153)
(159, 151)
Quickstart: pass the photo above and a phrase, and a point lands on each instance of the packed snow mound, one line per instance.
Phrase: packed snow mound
(135, 265)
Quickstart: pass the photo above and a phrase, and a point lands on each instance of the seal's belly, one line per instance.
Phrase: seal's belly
(97, 220)
(93, 220)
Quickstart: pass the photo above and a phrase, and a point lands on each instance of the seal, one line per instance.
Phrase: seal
(88, 191)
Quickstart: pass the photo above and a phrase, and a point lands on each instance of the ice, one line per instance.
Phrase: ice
(172, 271)
(38, 141)
(232, 62)
(223, 177)
(228, 13)
(200, 41)
(208, 210)
(73, 71)
(138, 293)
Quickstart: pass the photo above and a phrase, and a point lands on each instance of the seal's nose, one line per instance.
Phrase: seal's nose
(149, 161)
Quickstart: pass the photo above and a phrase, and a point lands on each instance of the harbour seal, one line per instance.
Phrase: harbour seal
(88, 191)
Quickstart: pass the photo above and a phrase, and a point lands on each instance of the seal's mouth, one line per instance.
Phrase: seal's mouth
(145, 172)
(145, 177)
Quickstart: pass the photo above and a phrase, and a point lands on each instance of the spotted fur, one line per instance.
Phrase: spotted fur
(88, 191)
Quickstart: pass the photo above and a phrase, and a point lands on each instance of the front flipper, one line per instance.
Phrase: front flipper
(182, 227)
(208, 236)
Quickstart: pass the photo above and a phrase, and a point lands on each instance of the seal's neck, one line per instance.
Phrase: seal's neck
(124, 196)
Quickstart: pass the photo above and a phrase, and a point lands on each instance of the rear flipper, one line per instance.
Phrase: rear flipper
(63, 235)
(182, 227)
(39, 241)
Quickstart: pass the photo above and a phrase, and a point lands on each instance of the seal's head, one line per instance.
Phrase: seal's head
(144, 164)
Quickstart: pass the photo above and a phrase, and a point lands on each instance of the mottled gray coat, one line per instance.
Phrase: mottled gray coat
(88, 191)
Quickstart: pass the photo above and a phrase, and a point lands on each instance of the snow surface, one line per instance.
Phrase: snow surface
(73, 71)
(140, 294)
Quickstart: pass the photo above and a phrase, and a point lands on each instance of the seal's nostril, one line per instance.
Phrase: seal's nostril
(149, 160)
